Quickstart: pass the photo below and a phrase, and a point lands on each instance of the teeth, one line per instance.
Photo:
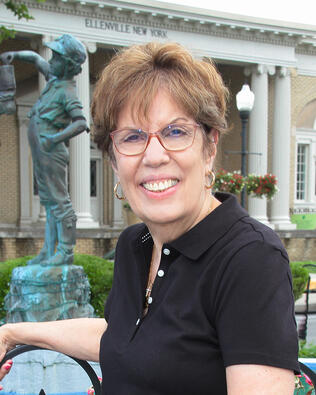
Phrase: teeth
(159, 186)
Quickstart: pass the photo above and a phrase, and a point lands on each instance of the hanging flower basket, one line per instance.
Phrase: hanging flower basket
(259, 186)
(229, 182)
(256, 186)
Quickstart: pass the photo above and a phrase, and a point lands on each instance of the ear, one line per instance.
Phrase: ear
(213, 140)
(214, 136)
(114, 166)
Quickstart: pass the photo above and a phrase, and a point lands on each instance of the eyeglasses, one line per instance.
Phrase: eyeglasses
(175, 137)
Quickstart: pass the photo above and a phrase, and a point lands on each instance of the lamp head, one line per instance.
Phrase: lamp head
(245, 99)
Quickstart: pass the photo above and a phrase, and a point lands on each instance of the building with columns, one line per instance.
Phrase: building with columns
(277, 59)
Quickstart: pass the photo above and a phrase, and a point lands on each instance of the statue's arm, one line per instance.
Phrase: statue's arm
(76, 127)
(27, 56)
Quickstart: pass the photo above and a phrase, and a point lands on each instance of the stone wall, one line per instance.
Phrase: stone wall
(300, 244)
(18, 244)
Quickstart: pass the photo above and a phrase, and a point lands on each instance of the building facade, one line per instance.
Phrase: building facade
(277, 59)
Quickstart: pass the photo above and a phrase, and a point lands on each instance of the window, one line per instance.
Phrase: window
(301, 171)
(93, 178)
(305, 169)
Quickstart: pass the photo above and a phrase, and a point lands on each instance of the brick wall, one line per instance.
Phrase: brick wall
(11, 248)
(303, 92)
(299, 247)
(9, 170)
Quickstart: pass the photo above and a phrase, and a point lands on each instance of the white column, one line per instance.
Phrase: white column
(25, 167)
(79, 164)
(258, 137)
(281, 150)
(118, 218)
(46, 53)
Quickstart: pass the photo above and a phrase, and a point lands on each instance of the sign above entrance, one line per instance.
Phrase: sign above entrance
(126, 28)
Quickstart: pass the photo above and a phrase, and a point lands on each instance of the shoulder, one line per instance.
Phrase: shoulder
(240, 232)
(132, 235)
(70, 88)
(254, 253)
(253, 235)
(65, 88)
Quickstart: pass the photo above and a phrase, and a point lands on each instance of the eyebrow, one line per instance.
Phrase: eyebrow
(172, 122)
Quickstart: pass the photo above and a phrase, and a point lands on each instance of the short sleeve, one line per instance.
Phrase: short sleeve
(71, 101)
(107, 307)
(255, 309)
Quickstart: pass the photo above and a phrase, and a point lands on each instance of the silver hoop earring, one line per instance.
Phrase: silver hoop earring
(115, 192)
(211, 174)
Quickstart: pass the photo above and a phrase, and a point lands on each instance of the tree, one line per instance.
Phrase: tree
(21, 11)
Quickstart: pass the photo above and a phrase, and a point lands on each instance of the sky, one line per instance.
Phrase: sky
(299, 11)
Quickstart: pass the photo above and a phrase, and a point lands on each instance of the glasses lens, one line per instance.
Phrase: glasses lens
(130, 141)
(177, 137)
(174, 137)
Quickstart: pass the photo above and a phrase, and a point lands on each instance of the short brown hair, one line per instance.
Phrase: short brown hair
(135, 75)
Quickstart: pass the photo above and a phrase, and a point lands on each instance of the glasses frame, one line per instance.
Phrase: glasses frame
(156, 134)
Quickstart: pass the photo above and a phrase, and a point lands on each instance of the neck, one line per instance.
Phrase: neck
(166, 232)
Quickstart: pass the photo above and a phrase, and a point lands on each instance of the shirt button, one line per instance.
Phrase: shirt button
(138, 321)
(150, 300)
(161, 273)
(166, 251)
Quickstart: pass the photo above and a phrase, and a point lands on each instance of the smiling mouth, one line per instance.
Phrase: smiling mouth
(159, 186)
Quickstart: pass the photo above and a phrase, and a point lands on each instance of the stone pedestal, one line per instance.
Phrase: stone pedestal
(39, 293)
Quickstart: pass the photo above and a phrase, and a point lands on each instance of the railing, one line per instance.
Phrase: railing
(302, 333)
(93, 376)
(84, 364)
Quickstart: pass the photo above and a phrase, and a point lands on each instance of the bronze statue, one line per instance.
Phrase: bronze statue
(55, 118)
(50, 287)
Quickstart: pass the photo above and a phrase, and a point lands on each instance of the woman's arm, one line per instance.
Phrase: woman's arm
(79, 337)
(259, 380)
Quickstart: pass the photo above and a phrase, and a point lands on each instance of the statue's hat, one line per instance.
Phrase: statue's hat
(69, 47)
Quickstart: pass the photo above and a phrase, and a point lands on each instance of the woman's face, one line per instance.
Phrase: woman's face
(180, 176)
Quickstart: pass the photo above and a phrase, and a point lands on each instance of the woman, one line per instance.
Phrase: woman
(201, 301)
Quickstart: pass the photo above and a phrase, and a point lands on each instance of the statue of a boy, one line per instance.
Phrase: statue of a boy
(55, 118)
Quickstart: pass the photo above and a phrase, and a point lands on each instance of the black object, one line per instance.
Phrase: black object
(84, 364)
(309, 372)
(7, 89)
(302, 330)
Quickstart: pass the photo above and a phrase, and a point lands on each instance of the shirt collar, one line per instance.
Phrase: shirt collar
(207, 232)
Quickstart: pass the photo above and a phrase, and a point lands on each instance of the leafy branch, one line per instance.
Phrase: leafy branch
(19, 10)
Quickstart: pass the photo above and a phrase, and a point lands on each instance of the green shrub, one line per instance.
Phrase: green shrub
(5, 277)
(100, 274)
(310, 269)
(300, 278)
(98, 271)
(307, 350)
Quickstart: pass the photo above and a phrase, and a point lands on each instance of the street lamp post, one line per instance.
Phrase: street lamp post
(244, 101)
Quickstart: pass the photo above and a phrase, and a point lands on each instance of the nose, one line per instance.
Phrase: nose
(155, 154)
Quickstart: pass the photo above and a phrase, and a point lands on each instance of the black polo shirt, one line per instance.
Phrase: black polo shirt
(222, 296)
